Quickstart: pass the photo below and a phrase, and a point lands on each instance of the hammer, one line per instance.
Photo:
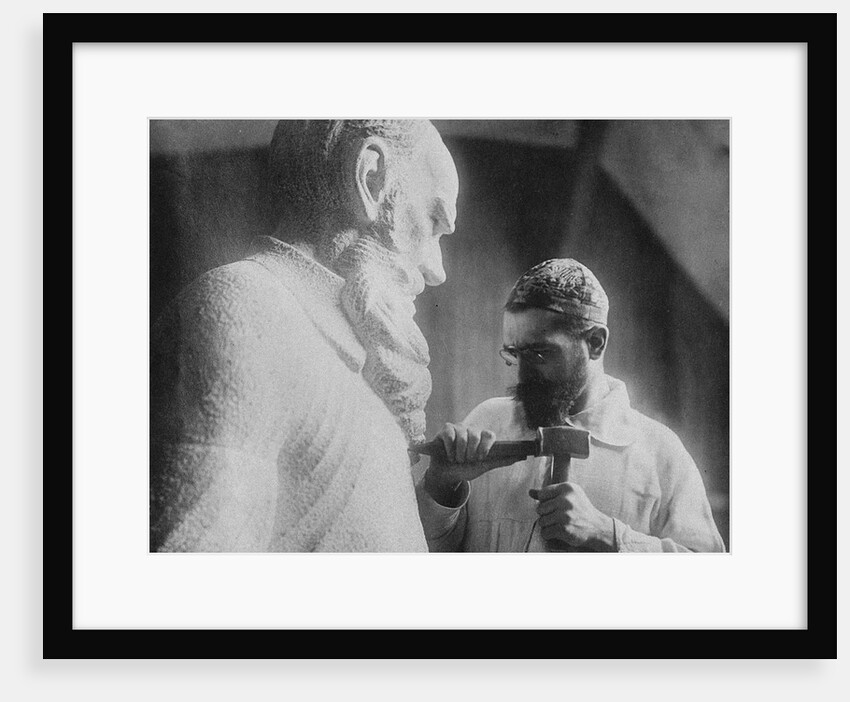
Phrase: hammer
(562, 443)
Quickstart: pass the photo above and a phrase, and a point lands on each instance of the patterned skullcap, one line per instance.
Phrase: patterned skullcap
(562, 285)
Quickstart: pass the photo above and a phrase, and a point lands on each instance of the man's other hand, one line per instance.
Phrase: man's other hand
(566, 514)
(465, 459)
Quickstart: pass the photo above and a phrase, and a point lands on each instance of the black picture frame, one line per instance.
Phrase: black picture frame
(817, 31)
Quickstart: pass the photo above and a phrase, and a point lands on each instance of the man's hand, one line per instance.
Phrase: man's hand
(566, 514)
(466, 459)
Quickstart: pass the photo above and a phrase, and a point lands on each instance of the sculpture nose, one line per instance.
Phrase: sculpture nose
(432, 267)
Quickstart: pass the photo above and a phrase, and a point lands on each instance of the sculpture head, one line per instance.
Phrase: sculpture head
(391, 181)
(371, 200)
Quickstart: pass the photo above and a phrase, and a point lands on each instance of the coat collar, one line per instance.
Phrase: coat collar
(317, 290)
(612, 420)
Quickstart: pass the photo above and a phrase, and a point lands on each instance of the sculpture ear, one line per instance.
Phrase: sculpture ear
(371, 177)
(597, 341)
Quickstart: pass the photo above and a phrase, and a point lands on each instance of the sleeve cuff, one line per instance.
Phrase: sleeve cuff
(627, 540)
(438, 520)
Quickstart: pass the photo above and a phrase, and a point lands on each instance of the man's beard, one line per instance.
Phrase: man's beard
(547, 403)
(378, 299)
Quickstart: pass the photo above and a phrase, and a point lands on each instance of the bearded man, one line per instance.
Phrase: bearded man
(285, 387)
(639, 489)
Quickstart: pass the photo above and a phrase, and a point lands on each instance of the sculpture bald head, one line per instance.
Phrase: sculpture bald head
(391, 180)
(371, 199)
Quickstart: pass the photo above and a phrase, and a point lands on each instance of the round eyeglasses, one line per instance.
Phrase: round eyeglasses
(512, 354)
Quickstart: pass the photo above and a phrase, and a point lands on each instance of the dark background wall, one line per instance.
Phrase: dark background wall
(643, 203)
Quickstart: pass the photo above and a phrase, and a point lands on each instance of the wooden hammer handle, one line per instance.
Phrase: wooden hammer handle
(560, 469)
(500, 449)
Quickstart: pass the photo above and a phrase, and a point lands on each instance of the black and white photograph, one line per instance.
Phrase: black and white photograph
(411, 335)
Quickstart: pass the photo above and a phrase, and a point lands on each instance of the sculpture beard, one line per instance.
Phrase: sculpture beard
(377, 296)
(548, 403)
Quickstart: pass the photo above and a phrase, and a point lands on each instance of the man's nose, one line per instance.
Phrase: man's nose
(523, 370)
(527, 372)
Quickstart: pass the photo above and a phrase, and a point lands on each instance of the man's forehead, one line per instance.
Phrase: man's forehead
(531, 326)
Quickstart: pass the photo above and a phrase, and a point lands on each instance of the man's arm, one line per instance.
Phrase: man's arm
(444, 489)
(567, 514)
(444, 519)
(681, 521)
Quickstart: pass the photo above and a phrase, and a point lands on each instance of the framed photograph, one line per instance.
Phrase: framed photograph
(676, 179)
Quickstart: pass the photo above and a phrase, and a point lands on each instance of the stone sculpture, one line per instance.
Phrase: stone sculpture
(285, 387)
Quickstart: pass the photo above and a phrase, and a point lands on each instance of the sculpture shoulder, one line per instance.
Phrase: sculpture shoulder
(233, 295)
(228, 333)
(239, 302)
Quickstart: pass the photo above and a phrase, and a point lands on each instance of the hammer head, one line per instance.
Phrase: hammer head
(563, 441)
